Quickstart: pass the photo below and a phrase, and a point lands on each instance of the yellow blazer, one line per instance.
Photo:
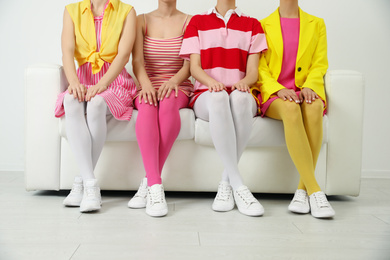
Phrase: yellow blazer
(84, 28)
(311, 63)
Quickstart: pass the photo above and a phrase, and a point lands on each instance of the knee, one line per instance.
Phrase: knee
(219, 101)
(241, 102)
(96, 106)
(313, 111)
(291, 112)
(72, 105)
(168, 106)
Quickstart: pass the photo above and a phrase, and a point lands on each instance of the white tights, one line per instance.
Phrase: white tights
(230, 120)
(86, 134)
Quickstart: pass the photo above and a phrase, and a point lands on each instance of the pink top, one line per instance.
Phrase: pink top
(162, 60)
(224, 44)
(290, 33)
(119, 94)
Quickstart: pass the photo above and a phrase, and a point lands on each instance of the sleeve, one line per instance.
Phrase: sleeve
(258, 40)
(319, 64)
(191, 44)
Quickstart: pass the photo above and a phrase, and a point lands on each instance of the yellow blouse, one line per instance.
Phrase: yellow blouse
(84, 27)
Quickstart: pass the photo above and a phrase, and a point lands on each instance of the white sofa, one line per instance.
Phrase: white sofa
(193, 164)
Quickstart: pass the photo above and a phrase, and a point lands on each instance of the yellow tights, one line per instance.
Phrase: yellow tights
(303, 132)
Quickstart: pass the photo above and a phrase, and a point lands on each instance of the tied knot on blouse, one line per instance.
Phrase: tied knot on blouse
(96, 61)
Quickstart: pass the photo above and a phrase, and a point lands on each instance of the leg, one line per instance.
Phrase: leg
(148, 137)
(296, 140)
(170, 124)
(243, 108)
(97, 124)
(215, 108)
(79, 137)
(312, 120)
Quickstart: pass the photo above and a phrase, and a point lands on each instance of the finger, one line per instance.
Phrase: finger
(168, 93)
(154, 97)
(149, 98)
(296, 98)
(176, 91)
(79, 96)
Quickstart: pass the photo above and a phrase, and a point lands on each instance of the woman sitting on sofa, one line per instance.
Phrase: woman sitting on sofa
(223, 46)
(101, 85)
(165, 88)
(292, 89)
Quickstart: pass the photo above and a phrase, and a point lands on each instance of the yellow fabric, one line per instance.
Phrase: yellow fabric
(84, 27)
(303, 132)
(311, 57)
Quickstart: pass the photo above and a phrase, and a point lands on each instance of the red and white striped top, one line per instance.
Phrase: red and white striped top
(119, 94)
(162, 60)
(223, 44)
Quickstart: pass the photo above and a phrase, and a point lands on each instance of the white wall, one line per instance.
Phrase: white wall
(358, 39)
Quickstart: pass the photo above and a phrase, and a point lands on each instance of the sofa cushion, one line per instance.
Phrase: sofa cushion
(265, 132)
(125, 130)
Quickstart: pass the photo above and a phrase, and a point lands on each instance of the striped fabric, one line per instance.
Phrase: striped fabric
(162, 61)
(224, 47)
(119, 94)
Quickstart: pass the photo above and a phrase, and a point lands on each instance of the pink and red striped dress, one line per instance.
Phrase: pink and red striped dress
(224, 46)
(119, 94)
(162, 61)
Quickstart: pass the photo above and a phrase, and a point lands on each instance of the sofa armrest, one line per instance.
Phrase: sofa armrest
(43, 82)
(345, 93)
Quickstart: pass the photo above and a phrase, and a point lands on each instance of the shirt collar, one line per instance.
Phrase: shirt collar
(227, 15)
(86, 4)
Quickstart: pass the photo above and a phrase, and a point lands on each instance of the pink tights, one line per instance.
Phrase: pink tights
(156, 129)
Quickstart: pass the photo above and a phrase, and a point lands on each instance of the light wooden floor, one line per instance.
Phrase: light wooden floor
(35, 225)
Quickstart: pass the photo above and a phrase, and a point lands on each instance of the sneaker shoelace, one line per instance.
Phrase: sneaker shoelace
(300, 197)
(91, 191)
(223, 193)
(156, 196)
(247, 196)
(321, 200)
(77, 188)
(142, 191)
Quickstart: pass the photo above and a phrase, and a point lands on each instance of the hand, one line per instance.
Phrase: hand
(149, 95)
(216, 86)
(92, 91)
(308, 95)
(289, 94)
(166, 89)
(78, 91)
(241, 86)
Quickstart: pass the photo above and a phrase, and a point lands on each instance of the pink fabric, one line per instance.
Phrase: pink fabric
(157, 128)
(227, 39)
(119, 94)
(290, 33)
(224, 45)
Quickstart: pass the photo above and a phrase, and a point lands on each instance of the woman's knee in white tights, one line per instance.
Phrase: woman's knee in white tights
(72, 106)
(242, 103)
(96, 108)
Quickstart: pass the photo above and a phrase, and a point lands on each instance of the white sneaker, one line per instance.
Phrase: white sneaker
(76, 194)
(92, 199)
(300, 202)
(224, 200)
(156, 206)
(138, 201)
(319, 205)
(246, 203)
